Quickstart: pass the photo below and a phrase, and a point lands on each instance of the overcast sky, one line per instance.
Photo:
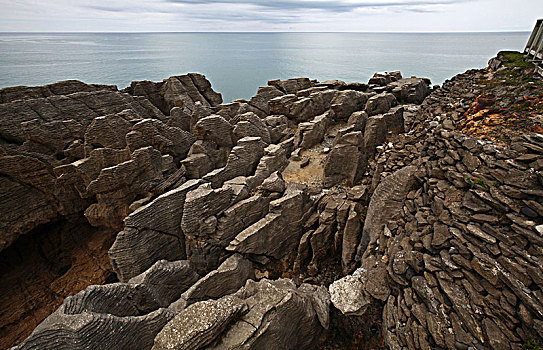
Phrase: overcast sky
(268, 15)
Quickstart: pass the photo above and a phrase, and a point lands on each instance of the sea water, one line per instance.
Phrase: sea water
(237, 63)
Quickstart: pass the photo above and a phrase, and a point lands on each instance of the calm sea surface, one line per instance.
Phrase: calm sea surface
(237, 63)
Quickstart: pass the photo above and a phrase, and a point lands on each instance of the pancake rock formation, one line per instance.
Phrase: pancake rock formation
(316, 215)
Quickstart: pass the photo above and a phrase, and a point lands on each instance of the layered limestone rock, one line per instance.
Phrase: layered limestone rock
(73, 152)
(118, 315)
(253, 317)
(182, 91)
(402, 233)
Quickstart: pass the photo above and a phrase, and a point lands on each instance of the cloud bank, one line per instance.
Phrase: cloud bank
(268, 15)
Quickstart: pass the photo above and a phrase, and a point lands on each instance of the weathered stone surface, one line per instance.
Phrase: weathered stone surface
(311, 133)
(271, 305)
(180, 118)
(351, 237)
(199, 324)
(214, 128)
(277, 234)
(86, 320)
(65, 87)
(410, 90)
(291, 86)
(152, 232)
(26, 200)
(178, 91)
(346, 162)
(242, 161)
(166, 139)
(135, 250)
(384, 205)
(278, 127)
(197, 165)
(394, 120)
(202, 203)
(347, 294)
(358, 120)
(346, 102)
(230, 276)
(375, 133)
(251, 210)
(114, 187)
(263, 95)
(384, 78)
(380, 104)
(250, 125)
(274, 183)
(230, 110)
(107, 131)
(376, 282)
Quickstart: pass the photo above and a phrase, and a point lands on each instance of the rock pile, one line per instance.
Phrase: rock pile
(436, 234)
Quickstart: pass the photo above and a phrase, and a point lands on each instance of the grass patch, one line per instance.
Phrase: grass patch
(531, 345)
(514, 59)
(478, 181)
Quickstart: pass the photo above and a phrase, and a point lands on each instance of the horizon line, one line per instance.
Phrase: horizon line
(267, 32)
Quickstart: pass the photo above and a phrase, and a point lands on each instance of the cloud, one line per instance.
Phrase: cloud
(334, 5)
(266, 15)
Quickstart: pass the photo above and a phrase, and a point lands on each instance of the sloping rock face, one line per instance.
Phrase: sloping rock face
(135, 310)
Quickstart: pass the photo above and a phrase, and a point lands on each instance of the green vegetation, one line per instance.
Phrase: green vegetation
(531, 345)
(478, 181)
(513, 59)
(516, 70)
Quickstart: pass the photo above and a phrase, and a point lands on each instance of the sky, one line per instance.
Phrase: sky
(268, 15)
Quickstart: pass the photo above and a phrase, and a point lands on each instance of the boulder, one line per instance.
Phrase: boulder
(230, 276)
(242, 161)
(291, 86)
(278, 233)
(263, 95)
(178, 91)
(384, 78)
(274, 183)
(250, 125)
(277, 126)
(358, 120)
(180, 118)
(410, 90)
(346, 161)
(107, 131)
(375, 133)
(200, 204)
(214, 128)
(347, 294)
(346, 102)
(312, 133)
(229, 225)
(114, 189)
(381, 103)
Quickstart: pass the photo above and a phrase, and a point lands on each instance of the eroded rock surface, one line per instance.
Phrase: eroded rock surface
(422, 237)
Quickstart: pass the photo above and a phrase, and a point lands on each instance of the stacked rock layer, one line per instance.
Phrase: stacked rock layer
(407, 223)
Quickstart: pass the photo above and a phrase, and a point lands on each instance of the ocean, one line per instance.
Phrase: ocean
(237, 63)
